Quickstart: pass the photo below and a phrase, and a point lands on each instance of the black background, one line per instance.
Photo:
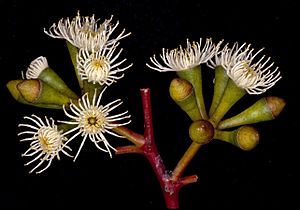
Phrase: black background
(228, 177)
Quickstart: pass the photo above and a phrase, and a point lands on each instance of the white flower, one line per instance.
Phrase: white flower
(242, 66)
(92, 120)
(255, 78)
(86, 32)
(181, 59)
(228, 57)
(36, 67)
(100, 66)
(46, 141)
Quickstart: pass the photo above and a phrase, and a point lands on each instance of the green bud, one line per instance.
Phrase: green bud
(30, 89)
(15, 92)
(51, 78)
(194, 76)
(201, 131)
(181, 91)
(245, 137)
(264, 109)
(12, 87)
(37, 92)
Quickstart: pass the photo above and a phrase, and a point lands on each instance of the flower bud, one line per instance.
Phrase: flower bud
(245, 137)
(194, 76)
(37, 92)
(17, 94)
(51, 78)
(12, 87)
(201, 131)
(275, 105)
(264, 109)
(181, 91)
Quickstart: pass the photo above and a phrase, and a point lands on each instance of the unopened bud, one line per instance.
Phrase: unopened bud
(194, 76)
(12, 87)
(275, 105)
(264, 109)
(18, 96)
(246, 137)
(37, 92)
(51, 78)
(181, 91)
(201, 131)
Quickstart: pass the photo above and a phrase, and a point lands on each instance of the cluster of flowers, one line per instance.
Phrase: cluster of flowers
(95, 58)
(96, 62)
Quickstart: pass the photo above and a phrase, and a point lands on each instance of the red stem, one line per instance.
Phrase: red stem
(169, 186)
(148, 124)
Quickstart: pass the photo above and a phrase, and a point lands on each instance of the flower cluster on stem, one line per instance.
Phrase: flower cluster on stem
(96, 58)
(96, 52)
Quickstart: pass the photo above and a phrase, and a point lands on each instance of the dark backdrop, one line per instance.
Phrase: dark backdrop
(228, 177)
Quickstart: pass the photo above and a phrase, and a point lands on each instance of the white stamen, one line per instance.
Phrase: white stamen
(46, 142)
(36, 67)
(86, 32)
(253, 77)
(228, 57)
(181, 59)
(99, 66)
(94, 120)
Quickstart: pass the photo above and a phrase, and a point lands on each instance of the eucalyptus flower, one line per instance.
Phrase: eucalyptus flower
(186, 63)
(243, 66)
(255, 78)
(228, 57)
(100, 66)
(92, 120)
(246, 76)
(179, 59)
(46, 142)
(86, 32)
